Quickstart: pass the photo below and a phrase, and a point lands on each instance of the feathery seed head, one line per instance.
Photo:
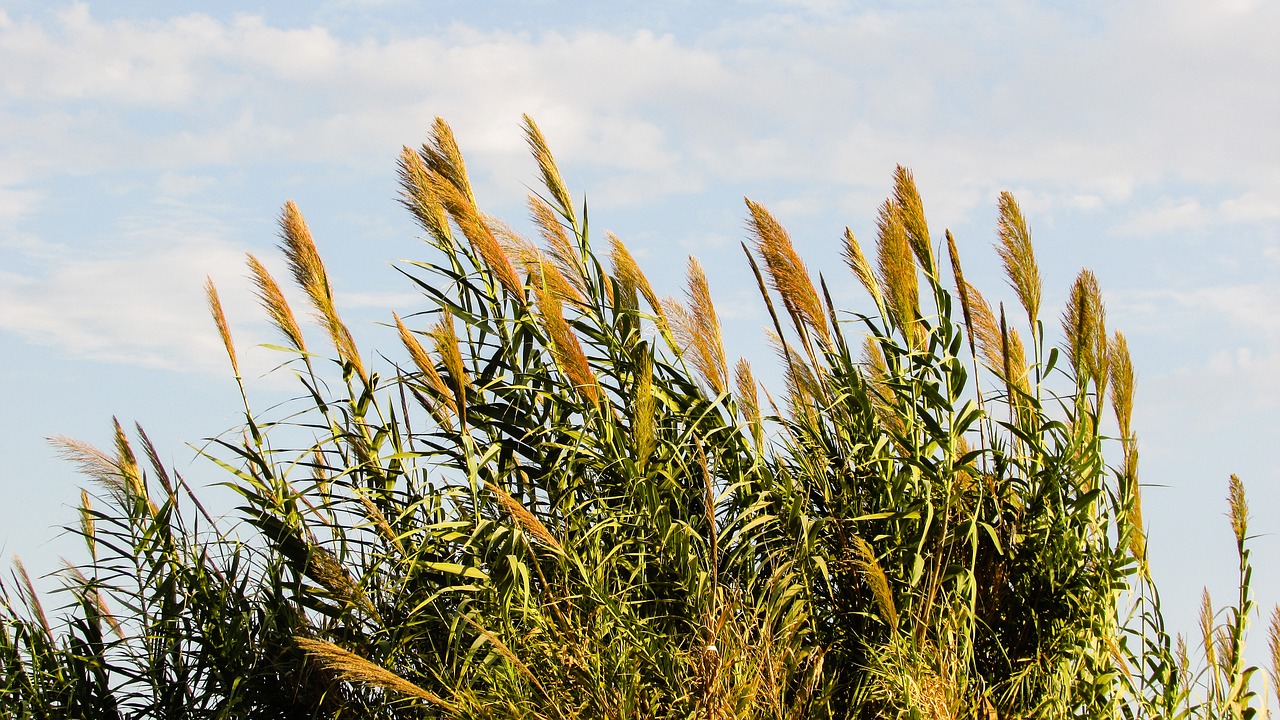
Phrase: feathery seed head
(559, 247)
(748, 396)
(627, 271)
(1273, 644)
(788, 274)
(479, 233)
(1206, 628)
(355, 669)
(445, 340)
(698, 329)
(873, 574)
(525, 519)
(550, 173)
(273, 301)
(564, 345)
(447, 403)
(1019, 258)
(898, 272)
(645, 407)
(907, 198)
(1084, 323)
(962, 288)
(1121, 366)
(861, 267)
(417, 195)
(1000, 345)
(215, 309)
(87, 523)
(444, 159)
(1239, 509)
(309, 272)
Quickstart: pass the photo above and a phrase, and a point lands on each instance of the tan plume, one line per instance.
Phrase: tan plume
(550, 173)
(898, 272)
(219, 319)
(353, 668)
(861, 267)
(309, 272)
(788, 275)
(273, 301)
(417, 195)
(698, 330)
(522, 517)
(907, 198)
(1019, 257)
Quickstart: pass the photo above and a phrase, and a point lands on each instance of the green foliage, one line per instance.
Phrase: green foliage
(563, 506)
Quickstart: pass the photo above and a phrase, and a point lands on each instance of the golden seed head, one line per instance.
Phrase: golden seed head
(874, 575)
(1085, 325)
(309, 273)
(861, 267)
(525, 519)
(219, 319)
(417, 195)
(907, 198)
(1019, 257)
(697, 328)
(355, 669)
(747, 396)
(273, 301)
(1239, 515)
(788, 274)
(550, 173)
(564, 345)
(898, 272)
(1121, 367)
(446, 403)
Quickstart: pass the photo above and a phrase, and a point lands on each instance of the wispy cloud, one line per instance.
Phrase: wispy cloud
(807, 106)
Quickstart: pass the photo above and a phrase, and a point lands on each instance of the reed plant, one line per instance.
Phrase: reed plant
(563, 503)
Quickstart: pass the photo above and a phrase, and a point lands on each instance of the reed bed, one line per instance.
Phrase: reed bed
(562, 505)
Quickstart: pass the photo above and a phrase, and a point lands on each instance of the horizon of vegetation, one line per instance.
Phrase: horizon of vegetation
(567, 502)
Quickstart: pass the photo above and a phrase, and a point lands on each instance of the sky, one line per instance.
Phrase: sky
(143, 148)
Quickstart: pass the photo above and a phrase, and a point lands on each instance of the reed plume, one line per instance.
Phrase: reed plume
(445, 340)
(559, 247)
(522, 517)
(273, 301)
(550, 173)
(565, 347)
(1239, 509)
(87, 529)
(627, 271)
(353, 668)
(1001, 346)
(698, 329)
(788, 274)
(215, 309)
(907, 198)
(428, 373)
(1084, 322)
(1018, 256)
(643, 424)
(309, 273)
(417, 195)
(898, 272)
(861, 267)
(864, 559)
(444, 160)
(748, 396)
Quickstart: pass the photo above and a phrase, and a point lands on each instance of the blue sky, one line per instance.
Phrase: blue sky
(143, 148)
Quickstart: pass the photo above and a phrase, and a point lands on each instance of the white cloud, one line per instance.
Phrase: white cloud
(806, 109)
(141, 307)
